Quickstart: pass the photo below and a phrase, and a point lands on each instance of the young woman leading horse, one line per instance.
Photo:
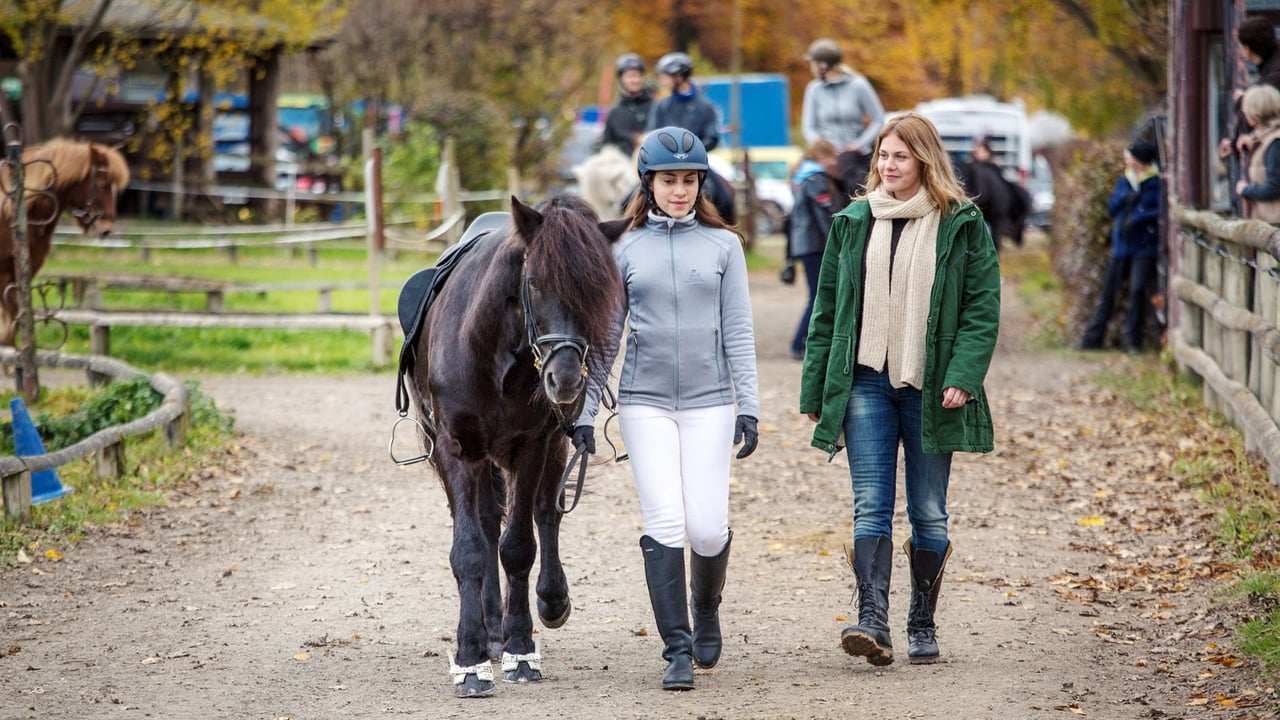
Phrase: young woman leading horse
(80, 177)
(507, 350)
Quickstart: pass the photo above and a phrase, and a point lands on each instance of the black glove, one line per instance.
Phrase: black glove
(788, 274)
(584, 435)
(744, 431)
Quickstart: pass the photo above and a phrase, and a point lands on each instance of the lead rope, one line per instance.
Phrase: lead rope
(579, 458)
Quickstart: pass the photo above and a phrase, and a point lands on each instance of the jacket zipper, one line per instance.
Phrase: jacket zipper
(675, 300)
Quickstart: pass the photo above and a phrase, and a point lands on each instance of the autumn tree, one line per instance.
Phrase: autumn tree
(197, 46)
(914, 50)
(448, 60)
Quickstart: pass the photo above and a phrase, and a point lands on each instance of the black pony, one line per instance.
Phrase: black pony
(1004, 204)
(501, 366)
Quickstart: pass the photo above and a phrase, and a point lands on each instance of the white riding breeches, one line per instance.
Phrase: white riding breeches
(680, 461)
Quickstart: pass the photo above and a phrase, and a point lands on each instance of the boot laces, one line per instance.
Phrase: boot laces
(920, 614)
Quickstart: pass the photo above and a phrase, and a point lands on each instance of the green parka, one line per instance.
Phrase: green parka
(964, 319)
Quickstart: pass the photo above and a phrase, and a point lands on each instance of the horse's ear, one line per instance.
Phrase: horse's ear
(527, 219)
(613, 229)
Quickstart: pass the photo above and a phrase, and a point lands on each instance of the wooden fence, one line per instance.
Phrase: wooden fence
(1226, 286)
(106, 446)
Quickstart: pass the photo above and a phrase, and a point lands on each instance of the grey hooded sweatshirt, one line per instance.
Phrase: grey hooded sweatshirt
(691, 341)
(835, 111)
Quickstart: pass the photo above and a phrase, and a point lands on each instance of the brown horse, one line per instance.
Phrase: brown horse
(80, 177)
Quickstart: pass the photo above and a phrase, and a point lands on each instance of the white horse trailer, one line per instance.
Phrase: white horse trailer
(961, 121)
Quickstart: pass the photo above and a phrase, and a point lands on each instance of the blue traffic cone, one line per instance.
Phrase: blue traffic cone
(45, 485)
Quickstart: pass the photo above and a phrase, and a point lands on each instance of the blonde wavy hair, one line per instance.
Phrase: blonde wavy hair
(937, 174)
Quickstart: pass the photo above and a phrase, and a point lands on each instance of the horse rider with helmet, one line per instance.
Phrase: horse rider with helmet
(690, 358)
(625, 124)
(841, 107)
(685, 107)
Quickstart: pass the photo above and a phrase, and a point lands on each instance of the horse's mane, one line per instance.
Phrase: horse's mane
(67, 163)
(572, 261)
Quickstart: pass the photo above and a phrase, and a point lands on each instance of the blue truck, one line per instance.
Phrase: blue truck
(765, 108)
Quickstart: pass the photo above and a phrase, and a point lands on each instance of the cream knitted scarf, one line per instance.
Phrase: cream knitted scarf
(895, 301)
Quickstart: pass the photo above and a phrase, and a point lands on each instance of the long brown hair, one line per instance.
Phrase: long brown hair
(639, 207)
(937, 175)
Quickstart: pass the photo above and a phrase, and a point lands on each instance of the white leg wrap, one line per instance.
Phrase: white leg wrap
(512, 662)
(482, 671)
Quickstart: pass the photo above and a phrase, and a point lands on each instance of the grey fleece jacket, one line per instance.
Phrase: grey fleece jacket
(691, 342)
(835, 111)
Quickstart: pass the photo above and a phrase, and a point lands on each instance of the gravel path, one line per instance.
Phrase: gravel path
(309, 578)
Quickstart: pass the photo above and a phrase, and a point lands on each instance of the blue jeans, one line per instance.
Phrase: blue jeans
(876, 419)
(812, 264)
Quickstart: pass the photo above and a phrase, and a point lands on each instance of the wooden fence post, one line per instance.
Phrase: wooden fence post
(1262, 370)
(1212, 330)
(16, 491)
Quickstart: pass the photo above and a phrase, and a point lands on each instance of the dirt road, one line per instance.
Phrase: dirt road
(311, 579)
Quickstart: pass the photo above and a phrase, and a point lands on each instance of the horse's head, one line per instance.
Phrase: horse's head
(570, 291)
(92, 201)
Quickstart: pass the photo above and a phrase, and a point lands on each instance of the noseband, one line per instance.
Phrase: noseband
(556, 341)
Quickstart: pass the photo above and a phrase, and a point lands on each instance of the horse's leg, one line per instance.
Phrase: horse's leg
(8, 310)
(521, 661)
(554, 605)
(493, 489)
(471, 558)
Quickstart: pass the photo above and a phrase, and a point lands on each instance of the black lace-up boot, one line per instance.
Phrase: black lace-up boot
(872, 561)
(926, 581)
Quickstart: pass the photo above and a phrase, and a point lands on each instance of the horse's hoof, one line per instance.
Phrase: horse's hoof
(473, 687)
(522, 674)
(553, 622)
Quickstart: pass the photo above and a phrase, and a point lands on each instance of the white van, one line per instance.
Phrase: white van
(961, 121)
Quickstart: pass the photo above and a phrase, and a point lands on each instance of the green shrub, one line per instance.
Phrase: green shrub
(1081, 241)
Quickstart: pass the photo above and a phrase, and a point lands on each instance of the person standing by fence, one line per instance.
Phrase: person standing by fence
(1259, 189)
(1134, 207)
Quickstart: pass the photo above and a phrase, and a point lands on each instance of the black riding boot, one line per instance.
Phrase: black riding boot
(706, 580)
(926, 581)
(872, 561)
(664, 572)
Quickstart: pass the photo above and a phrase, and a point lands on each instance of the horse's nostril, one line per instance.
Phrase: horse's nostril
(106, 232)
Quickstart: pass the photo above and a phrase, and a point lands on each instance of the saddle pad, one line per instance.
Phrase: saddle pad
(424, 286)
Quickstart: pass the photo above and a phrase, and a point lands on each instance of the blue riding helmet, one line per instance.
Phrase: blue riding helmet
(671, 148)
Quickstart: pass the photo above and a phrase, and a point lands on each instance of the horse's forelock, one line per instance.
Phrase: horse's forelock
(571, 259)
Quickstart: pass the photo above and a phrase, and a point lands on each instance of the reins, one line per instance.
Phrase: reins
(580, 458)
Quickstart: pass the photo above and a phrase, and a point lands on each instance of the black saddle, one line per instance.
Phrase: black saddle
(420, 290)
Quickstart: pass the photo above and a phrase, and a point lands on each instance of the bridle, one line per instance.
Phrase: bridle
(557, 341)
(88, 215)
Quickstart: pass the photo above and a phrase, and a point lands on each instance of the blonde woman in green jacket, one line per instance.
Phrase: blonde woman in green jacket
(903, 329)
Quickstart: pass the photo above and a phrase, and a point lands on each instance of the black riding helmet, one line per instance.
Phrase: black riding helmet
(675, 63)
(825, 51)
(670, 148)
(628, 61)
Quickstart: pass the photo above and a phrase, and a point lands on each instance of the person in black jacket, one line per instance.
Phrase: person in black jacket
(625, 124)
(1134, 207)
(818, 196)
(685, 107)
